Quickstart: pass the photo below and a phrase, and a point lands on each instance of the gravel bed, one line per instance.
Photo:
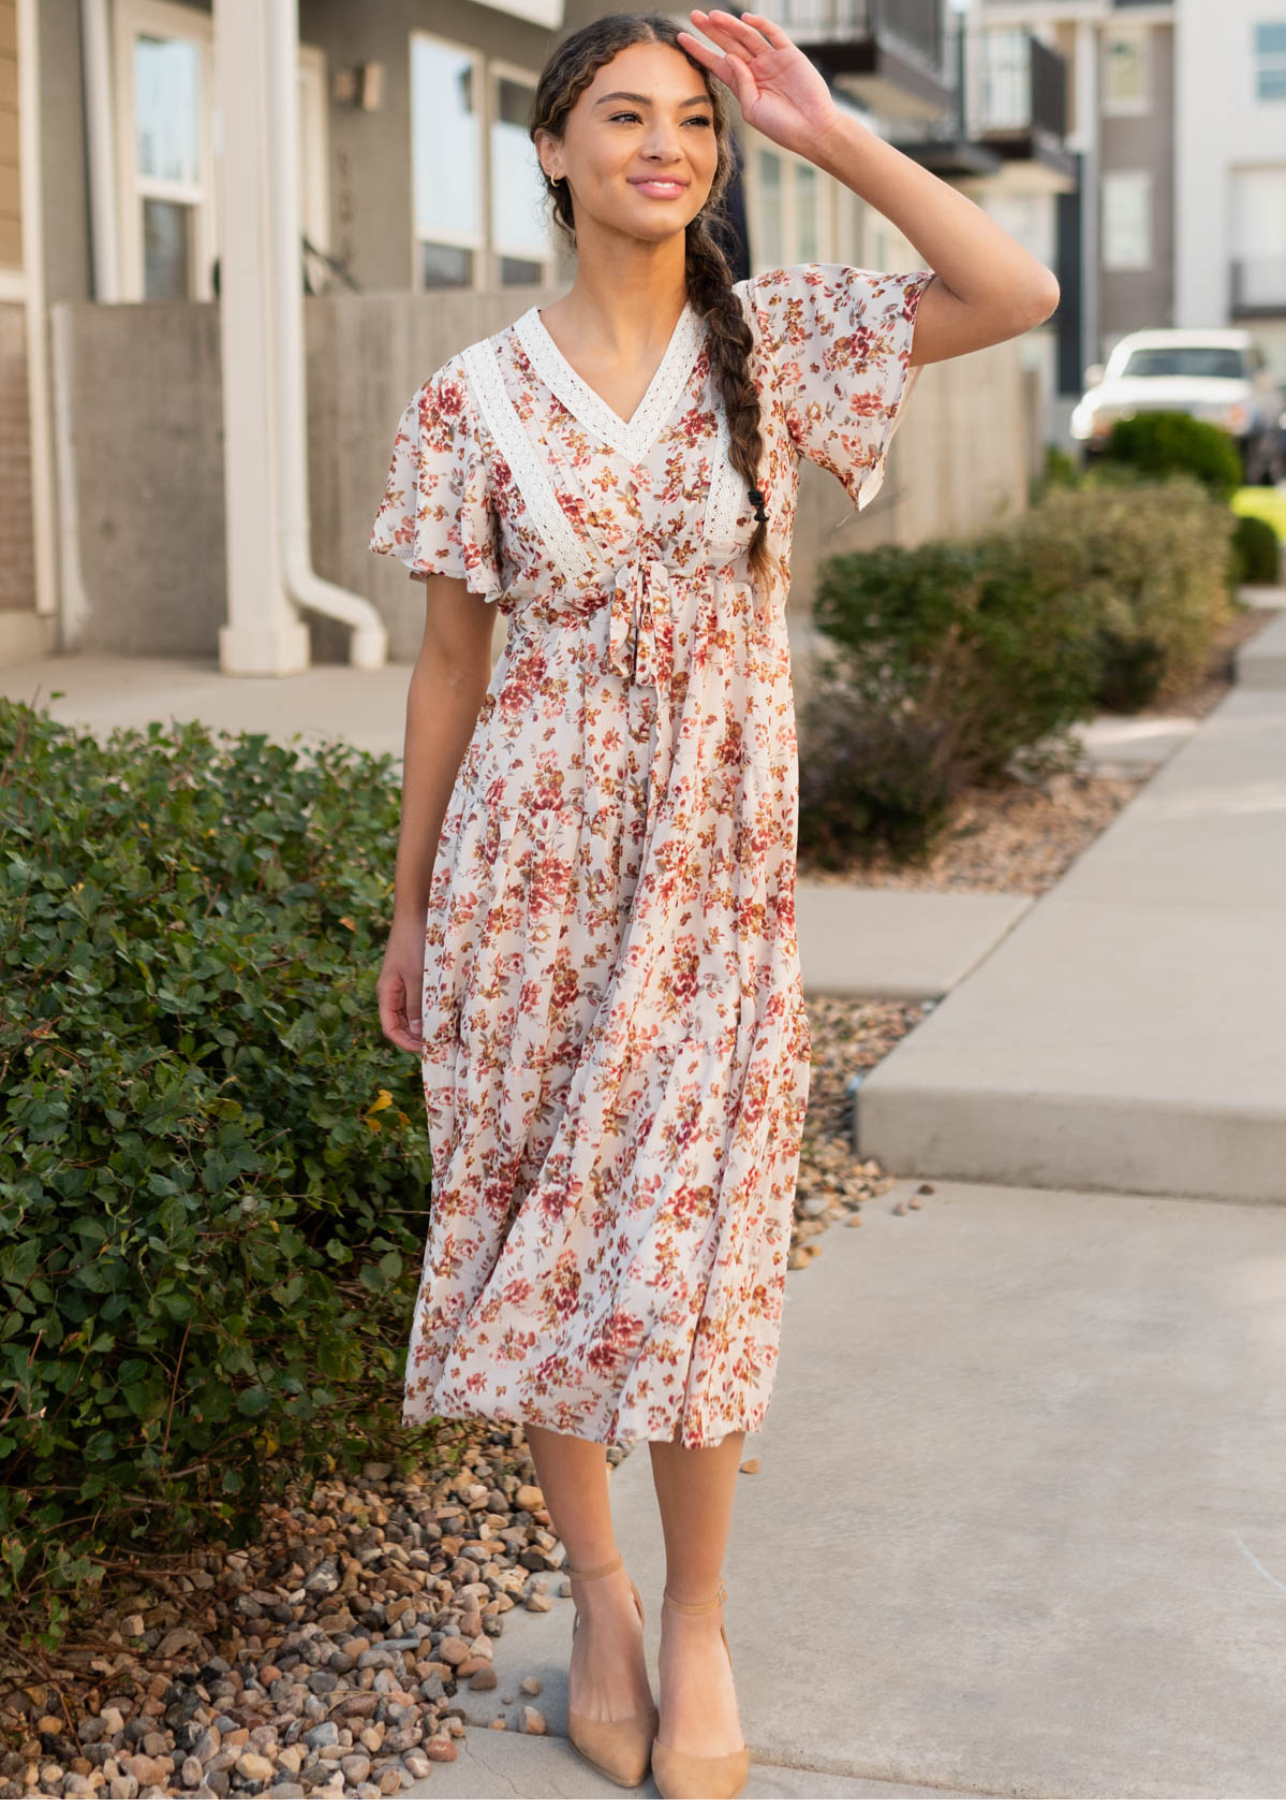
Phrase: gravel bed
(1015, 839)
(849, 1037)
(340, 1654)
(336, 1656)
(1021, 839)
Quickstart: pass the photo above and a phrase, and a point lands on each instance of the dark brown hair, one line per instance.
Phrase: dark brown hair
(572, 65)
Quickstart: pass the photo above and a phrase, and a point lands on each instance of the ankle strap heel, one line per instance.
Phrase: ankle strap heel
(620, 1749)
(606, 1568)
(679, 1775)
(696, 1606)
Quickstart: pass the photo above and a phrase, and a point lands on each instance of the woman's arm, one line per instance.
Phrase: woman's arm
(446, 691)
(986, 287)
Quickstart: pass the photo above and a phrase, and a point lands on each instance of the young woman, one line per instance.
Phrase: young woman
(598, 837)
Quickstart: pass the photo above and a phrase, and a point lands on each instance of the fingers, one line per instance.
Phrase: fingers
(777, 38)
(407, 1034)
(716, 24)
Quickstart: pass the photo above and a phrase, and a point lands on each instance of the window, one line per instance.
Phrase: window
(788, 211)
(1125, 70)
(1127, 219)
(1202, 362)
(807, 221)
(520, 236)
(1270, 60)
(772, 237)
(446, 162)
(167, 200)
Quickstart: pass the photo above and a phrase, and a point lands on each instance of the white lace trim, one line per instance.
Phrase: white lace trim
(635, 437)
(530, 470)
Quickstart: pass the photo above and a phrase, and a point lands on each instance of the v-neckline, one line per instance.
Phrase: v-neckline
(635, 436)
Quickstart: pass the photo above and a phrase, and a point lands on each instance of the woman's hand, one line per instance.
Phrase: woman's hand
(399, 989)
(779, 90)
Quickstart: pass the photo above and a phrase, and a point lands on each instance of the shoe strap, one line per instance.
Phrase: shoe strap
(697, 1606)
(593, 1574)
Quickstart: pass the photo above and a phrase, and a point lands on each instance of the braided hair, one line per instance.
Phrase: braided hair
(571, 66)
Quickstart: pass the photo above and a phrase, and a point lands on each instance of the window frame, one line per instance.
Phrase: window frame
(499, 70)
(1263, 61)
(161, 18)
(1132, 105)
(825, 189)
(1146, 180)
(479, 245)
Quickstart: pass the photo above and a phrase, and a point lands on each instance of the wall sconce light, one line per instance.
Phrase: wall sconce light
(361, 86)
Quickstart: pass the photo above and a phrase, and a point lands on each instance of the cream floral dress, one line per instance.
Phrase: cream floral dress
(616, 1051)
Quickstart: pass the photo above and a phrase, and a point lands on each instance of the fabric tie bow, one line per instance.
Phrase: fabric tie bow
(640, 588)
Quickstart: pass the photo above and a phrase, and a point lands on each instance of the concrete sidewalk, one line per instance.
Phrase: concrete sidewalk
(1017, 1527)
(1128, 1032)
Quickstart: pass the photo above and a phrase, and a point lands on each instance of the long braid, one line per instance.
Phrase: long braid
(571, 67)
(730, 341)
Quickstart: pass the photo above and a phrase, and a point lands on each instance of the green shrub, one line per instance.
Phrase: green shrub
(1150, 559)
(1163, 443)
(951, 664)
(213, 1169)
(1257, 552)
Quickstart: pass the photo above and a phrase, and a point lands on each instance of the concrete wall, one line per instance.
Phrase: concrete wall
(147, 454)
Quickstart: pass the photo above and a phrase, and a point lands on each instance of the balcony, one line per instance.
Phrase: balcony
(1021, 110)
(1258, 287)
(887, 53)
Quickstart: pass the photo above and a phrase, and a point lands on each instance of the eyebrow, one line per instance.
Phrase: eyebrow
(646, 99)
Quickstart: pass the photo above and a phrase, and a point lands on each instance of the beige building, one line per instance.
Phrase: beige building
(228, 255)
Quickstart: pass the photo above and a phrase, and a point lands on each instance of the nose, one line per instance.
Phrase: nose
(663, 143)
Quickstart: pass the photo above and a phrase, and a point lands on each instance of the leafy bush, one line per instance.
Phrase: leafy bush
(1163, 443)
(1257, 552)
(952, 663)
(1150, 559)
(213, 1171)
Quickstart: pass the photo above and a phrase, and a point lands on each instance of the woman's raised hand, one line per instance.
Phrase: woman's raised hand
(779, 90)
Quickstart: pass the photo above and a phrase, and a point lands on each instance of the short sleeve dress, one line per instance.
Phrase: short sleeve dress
(616, 1050)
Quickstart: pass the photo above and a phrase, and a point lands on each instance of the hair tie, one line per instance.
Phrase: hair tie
(760, 515)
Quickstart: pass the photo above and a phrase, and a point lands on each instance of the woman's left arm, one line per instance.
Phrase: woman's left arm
(986, 287)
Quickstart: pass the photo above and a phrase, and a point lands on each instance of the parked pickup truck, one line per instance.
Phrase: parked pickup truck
(1218, 375)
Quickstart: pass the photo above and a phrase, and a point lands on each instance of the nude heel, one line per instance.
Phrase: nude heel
(678, 1775)
(621, 1749)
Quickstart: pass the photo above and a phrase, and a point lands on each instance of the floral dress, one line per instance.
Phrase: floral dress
(616, 1051)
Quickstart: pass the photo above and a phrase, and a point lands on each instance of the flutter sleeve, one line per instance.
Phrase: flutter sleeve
(437, 514)
(839, 341)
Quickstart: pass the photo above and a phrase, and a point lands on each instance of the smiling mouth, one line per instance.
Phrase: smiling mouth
(660, 188)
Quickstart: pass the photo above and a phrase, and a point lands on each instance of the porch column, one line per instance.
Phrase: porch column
(264, 634)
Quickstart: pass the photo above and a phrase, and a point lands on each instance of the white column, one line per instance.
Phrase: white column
(264, 634)
(1085, 138)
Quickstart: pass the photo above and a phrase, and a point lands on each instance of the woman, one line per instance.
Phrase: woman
(598, 837)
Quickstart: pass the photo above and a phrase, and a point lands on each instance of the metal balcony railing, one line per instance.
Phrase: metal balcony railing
(912, 26)
(1022, 83)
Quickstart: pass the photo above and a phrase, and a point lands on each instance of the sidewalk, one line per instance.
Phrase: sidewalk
(1128, 1031)
(1017, 1527)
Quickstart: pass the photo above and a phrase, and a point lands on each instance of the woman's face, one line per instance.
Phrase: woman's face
(638, 149)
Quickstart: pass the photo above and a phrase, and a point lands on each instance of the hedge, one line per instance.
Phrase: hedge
(213, 1167)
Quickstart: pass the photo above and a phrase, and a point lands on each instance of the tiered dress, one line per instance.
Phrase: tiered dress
(616, 1051)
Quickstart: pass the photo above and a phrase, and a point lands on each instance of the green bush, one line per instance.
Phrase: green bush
(951, 664)
(1164, 443)
(213, 1169)
(1150, 560)
(1257, 551)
